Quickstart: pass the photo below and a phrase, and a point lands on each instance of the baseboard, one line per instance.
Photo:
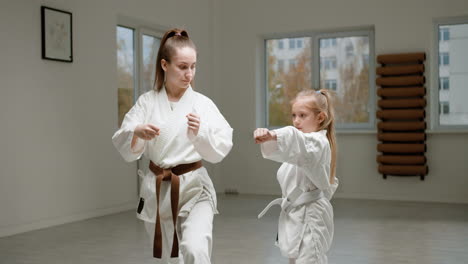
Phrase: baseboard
(397, 197)
(17, 229)
(374, 196)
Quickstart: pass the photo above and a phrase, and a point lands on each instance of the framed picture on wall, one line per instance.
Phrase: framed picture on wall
(56, 26)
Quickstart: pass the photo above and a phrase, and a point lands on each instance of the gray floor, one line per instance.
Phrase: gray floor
(366, 232)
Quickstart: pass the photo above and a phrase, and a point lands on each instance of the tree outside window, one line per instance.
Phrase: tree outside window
(346, 76)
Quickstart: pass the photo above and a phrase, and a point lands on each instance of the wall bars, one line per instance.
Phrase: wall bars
(402, 125)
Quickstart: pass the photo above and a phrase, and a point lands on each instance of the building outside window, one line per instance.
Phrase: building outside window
(325, 66)
(452, 91)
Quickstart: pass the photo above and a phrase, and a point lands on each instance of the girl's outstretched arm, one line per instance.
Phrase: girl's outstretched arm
(309, 151)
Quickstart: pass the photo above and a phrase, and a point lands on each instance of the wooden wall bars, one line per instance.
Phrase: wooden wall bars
(402, 125)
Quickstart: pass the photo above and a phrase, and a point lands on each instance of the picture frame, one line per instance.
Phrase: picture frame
(57, 34)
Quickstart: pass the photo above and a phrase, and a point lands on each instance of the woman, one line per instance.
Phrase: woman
(176, 127)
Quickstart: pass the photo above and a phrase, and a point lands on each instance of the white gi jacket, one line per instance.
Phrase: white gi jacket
(306, 167)
(174, 146)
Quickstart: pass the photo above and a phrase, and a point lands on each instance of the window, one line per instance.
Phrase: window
(299, 43)
(444, 59)
(444, 83)
(330, 85)
(349, 76)
(150, 51)
(444, 34)
(125, 70)
(324, 43)
(322, 62)
(283, 84)
(444, 108)
(450, 97)
(280, 44)
(137, 49)
(328, 63)
(292, 43)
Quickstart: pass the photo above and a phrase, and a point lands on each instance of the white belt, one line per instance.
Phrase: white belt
(296, 198)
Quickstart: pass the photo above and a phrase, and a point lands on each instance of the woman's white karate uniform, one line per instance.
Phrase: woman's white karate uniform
(305, 232)
(176, 145)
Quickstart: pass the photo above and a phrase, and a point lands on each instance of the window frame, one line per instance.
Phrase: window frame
(433, 90)
(315, 36)
(140, 28)
(150, 32)
(364, 32)
(136, 78)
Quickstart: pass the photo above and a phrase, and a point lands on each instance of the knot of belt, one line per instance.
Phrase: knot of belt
(296, 198)
(172, 175)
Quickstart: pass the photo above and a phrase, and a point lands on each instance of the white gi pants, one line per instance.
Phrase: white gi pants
(195, 236)
(310, 251)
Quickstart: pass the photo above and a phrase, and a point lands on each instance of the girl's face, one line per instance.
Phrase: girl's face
(181, 70)
(304, 118)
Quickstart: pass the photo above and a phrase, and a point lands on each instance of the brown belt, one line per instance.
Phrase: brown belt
(171, 174)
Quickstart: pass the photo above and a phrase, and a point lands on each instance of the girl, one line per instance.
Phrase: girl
(306, 177)
(176, 127)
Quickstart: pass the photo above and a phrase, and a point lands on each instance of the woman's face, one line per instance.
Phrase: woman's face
(180, 71)
(304, 118)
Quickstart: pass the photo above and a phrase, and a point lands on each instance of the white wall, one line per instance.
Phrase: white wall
(57, 161)
(400, 26)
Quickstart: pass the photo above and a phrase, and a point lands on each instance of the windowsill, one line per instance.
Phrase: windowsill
(374, 132)
(356, 132)
(371, 132)
(446, 131)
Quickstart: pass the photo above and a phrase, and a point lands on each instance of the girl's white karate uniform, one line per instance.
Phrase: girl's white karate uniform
(305, 232)
(176, 145)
